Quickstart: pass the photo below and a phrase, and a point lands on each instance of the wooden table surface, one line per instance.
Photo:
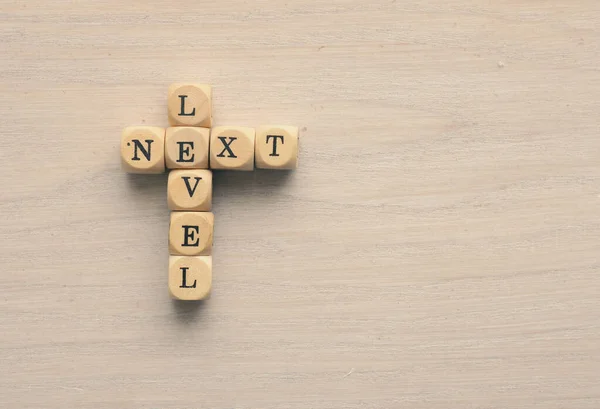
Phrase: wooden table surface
(438, 246)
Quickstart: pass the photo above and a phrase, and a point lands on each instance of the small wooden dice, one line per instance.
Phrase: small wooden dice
(276, 147)
(190, 105)
(190, 189)
(232, 148)
(190, 148)
(191, 233)
(190, 278)
(143, 149)
(186, 147)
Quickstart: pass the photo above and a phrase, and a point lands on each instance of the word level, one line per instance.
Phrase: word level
(191, 148)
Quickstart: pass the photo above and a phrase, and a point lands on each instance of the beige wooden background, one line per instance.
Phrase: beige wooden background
(437, 248)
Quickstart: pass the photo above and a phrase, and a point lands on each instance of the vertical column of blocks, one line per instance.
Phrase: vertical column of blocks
(190, 262)
(189, 191)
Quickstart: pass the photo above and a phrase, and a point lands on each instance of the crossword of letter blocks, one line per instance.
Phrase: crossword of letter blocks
(190, 148)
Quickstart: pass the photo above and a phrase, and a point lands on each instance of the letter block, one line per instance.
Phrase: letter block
(143, 149)
(276, 147)
(190, 189)
(191, 233)
(190, 278)
(232, 148)
(190, 105)
(186, 147)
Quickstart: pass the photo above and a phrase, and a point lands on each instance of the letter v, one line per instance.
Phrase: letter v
(186, 180)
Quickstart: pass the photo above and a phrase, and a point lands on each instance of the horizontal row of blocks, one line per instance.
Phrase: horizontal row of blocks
(148, 149)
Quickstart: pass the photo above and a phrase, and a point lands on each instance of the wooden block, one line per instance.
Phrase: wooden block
(276, 147)
(190, 105)
(186, 147)
(232, 148)
(143, 149)
(190, 278)
(191, 233)
(190, 189)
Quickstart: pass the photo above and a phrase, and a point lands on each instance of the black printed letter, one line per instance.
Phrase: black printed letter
(184, 278)
(186, 180)
(185, 151)
(138, 145)
(226, 147)
(188, 233)
(275, 137)
(182, 113)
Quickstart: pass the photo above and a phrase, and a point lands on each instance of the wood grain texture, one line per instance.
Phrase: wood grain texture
(438, 246)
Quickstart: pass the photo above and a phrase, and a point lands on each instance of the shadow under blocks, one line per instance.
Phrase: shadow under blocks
(190, 149)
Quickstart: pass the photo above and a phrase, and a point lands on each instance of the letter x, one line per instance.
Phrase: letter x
(226, 146)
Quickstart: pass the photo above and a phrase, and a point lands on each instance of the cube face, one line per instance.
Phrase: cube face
(186, 147)
(232, 148)
(191, 233)
(190, 189)
(190, 278)
(190, 105)
(276, 147)
(143, 149)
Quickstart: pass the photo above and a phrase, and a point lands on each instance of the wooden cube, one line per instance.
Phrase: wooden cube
(276, 147)
(190, 105)
(232, 148)
(143, 149)
(190, 278)
(191, 233)
(186, 147)
(190, 189)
